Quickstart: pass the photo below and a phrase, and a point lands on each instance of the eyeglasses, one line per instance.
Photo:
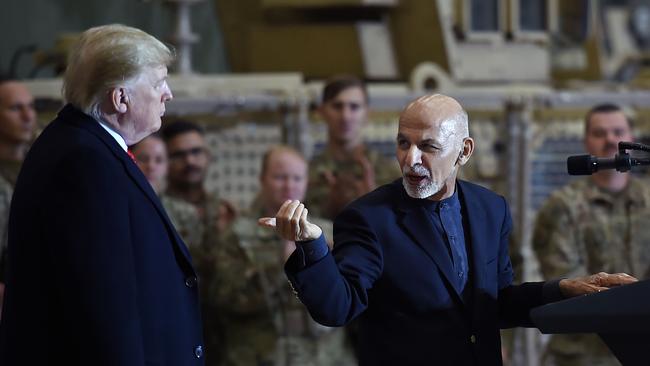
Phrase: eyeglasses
(182, 154)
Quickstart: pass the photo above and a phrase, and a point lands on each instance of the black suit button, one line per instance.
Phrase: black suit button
(198, 351)
(190, 282)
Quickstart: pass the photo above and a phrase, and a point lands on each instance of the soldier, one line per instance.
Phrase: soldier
(347, 168)
(17, 125)
(189, 158)
(151, 157)
(263, 322)
(599, 223)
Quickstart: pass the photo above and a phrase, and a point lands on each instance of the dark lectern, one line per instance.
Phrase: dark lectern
(620, 316)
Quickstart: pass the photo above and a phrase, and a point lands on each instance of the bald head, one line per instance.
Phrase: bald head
(432, 142)
(441, 111)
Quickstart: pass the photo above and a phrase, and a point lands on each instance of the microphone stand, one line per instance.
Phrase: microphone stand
(628, 161)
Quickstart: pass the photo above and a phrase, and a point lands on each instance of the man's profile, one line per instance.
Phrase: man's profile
(97, 274)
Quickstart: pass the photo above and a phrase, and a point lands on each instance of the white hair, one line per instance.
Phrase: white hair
(105, 57)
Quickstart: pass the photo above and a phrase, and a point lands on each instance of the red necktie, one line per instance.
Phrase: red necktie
(131, 156)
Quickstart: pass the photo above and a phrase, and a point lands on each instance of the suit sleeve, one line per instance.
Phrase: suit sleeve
(335, 288)
(93, 260)
(516, 301)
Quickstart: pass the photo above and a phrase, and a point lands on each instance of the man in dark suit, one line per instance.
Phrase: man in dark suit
(423, 261)
(97, 274)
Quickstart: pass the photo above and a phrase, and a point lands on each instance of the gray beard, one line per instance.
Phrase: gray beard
(425, 191)
(428, 190)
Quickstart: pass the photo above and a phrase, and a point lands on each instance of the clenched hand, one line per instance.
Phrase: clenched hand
(290, 223)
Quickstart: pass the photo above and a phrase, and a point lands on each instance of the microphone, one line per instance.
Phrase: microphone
(622, 162)
(588, 164)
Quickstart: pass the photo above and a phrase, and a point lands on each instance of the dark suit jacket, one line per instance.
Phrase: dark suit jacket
(97, 273)
(387, 267)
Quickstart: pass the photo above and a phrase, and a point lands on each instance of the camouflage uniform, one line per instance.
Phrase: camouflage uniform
(198, 225)
(318, 195)
(262, 322)
(582, 229)
(185, 219)
(8, 174)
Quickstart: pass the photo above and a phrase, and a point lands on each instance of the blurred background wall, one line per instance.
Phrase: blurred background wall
(42, 27)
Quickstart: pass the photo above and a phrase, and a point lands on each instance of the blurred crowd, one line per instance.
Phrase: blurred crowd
(250, 315)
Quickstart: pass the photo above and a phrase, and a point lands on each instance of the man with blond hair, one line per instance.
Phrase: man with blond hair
(97, 274)
(423, 261)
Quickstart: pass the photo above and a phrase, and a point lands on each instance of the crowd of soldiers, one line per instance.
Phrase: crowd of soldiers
(251, 316)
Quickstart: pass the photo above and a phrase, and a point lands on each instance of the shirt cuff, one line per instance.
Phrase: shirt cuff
(313, 250)
(551, 291)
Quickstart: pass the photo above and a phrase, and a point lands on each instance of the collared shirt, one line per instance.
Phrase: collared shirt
(447, 220)
(116, 136)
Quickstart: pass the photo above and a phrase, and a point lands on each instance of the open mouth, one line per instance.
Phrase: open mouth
(415, 180)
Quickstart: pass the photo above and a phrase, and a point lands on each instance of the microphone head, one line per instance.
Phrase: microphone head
(581, 165)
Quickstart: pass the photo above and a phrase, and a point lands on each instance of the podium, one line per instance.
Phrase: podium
(620, 316)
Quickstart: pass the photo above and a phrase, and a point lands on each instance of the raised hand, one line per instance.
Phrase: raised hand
(367, 183)
(290, 223)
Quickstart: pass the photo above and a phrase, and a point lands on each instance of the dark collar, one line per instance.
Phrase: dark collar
(452, 202)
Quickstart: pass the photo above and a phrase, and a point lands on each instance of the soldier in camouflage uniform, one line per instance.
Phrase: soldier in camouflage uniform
(347, 168)
(17, 125)
(595, 224)
(189, 158)
(151, 157)
(262, 322)
(185, 219)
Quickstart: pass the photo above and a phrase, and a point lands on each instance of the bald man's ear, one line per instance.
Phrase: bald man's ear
(466, 152)
(119, 99)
